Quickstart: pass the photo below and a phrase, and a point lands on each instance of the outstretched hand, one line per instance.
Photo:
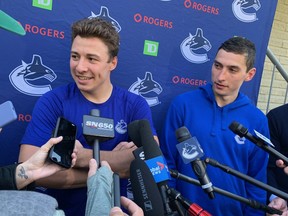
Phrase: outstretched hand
(38, 166)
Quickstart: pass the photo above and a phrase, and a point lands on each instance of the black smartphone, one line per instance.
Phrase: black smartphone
(61, 152)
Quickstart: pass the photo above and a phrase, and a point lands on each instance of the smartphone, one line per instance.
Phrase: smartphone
(61, 152)
(7, 113)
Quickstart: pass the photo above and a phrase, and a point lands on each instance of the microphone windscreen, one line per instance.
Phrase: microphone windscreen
(182, 134)
(134, 132)
(145, 190)
(150, 146)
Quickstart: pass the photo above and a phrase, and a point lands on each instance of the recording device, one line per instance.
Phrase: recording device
(97, 129)
(7, 113)
(145, 190)
(191, 152)
(61, 153)
(261, 141)
(156, 163)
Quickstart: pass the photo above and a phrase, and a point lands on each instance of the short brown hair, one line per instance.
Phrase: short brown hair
(99, 28)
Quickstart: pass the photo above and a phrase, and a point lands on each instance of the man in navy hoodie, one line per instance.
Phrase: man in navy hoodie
(207, 113)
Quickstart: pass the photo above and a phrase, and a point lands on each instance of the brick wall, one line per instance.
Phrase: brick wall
(278, 44)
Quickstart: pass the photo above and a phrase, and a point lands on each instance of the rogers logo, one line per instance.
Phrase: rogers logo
(46, 32)
(177, 80)
(138, 18)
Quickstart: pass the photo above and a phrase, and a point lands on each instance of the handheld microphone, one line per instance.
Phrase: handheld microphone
(191, 152)
(145, 191)
(261, 141)
(97, 129)
(134, 132)
(156, 163)
(192, 208)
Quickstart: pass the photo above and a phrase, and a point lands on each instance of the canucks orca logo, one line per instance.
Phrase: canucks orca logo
(244, 10)
(193, 46)
(104, 14)
(239, 140)
(190, 151)
(26, 77)
(121, 127)
(147, 88)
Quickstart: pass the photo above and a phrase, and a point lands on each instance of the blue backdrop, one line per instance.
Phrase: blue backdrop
(168, 43)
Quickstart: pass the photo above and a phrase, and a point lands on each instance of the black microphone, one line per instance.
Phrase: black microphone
(97, 129)
(261, 141)
(191, 152)
(134, 134)
(156, 163)
(192, 208)
(145, 190)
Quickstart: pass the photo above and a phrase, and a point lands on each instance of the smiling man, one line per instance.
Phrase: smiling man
(94, 50)
(207, 112)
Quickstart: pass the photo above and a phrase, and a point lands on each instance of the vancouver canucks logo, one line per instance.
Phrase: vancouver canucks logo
(29, 78)
(194, 48)
(121, 127)
(189, 151)
(147, 88)
(104, 14)
(244, 10)
(239, 140)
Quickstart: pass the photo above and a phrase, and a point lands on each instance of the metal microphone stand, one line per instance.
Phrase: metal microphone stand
(252, 203)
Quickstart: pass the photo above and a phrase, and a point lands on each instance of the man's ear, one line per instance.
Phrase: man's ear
(113, 63)
(250, 74)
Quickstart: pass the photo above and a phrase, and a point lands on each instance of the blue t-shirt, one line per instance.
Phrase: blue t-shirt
(67, 101)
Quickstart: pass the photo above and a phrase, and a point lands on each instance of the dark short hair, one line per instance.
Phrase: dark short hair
(241, 45)
(99, 28)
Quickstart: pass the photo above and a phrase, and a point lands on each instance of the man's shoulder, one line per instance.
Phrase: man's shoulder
(123, 93)
(67, 90)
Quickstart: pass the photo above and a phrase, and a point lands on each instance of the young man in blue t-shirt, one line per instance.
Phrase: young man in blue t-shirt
(94, 50)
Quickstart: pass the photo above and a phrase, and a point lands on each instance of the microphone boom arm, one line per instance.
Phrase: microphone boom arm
(247, 178)
(252, 203)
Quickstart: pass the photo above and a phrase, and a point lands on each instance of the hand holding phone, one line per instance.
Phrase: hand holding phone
(61, 152)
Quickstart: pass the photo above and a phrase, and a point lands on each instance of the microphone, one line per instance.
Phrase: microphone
(261, 141)
(97, 129)
(191, 152)
(156, 163)
(192, 208)
(145, 191)
(134, 134)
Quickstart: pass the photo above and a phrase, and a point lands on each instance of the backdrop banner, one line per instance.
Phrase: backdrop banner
(167, 47)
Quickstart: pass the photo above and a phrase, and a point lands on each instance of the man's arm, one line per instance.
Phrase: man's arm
(119, 158)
